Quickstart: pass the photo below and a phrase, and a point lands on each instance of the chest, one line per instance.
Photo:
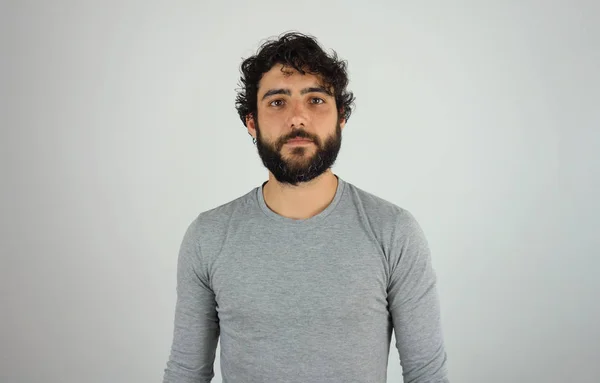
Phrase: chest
(300, 281)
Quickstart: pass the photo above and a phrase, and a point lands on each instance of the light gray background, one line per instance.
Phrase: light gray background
(118, 128)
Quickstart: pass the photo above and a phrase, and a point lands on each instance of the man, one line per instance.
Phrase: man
(304, 278)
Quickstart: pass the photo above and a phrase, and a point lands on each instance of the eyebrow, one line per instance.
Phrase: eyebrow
(314, 89)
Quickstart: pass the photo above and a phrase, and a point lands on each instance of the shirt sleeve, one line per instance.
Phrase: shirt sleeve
(414, 305)
(196, 324)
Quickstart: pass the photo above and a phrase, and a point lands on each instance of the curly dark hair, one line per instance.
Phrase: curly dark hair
(303, 53)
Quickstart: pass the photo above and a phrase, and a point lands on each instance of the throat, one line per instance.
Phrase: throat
(303, 201)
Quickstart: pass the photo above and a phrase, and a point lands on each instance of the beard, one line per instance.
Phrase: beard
(299, 166)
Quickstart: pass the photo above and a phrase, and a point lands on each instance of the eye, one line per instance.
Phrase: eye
(276, 103)
(317, 100)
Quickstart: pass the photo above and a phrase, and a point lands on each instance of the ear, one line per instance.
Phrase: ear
(250, 124)
(342, 119)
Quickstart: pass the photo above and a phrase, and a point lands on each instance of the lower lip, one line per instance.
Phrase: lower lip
(299, 142)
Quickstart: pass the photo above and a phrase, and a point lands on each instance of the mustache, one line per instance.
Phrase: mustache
(298, 134)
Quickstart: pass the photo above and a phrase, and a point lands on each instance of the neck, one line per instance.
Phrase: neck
(303, 201)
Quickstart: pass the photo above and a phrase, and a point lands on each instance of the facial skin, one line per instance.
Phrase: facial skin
(292, 105)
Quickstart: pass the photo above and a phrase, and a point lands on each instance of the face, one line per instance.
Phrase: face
(298, 130)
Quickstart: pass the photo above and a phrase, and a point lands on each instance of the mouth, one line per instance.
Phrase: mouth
(298, 141)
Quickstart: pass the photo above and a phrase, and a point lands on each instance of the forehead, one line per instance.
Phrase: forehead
(282, 76)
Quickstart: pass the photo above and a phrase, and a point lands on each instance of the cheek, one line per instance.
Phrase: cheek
(273, 122)
(267, 131)
(327, 115)
(270, 119)
(326, 120)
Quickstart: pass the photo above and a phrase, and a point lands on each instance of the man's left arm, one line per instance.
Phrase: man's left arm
(414, 305)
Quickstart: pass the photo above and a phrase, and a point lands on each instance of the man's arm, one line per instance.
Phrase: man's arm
(414, 305)
(196, 330)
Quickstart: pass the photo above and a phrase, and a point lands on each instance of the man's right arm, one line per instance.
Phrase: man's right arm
(196, 327)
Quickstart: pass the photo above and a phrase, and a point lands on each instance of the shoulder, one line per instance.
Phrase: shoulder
(212, 224)
(386, 218)
(394, 228)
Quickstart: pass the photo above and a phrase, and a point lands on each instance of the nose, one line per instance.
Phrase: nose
(298, 115)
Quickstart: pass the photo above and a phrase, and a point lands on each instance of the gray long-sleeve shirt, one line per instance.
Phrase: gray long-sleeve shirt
(311, 300)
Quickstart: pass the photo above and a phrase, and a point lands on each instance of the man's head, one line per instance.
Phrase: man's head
(292, 89)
